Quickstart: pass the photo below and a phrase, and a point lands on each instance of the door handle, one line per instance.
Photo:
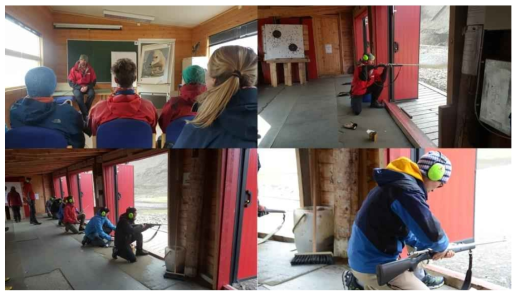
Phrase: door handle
(80, 194)
(118, 196)
(396, 46)
(248, 199)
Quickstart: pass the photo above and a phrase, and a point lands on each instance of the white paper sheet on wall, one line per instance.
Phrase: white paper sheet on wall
(36, 196)
(328, 48)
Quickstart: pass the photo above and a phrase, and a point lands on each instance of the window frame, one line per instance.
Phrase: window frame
(17, 54)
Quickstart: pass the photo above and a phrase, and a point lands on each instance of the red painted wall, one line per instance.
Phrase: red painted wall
(247, 267)
(125, 187)
(64, 188)
(87, 189)
(380, 43)
(73, 179)
(108, 179)
(407, 22)
(56, 183)
(312, 66)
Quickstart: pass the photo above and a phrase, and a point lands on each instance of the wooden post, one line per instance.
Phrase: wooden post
(274, 75)
(314, 186)
(303, 73)
(287, 73)
(346, 204)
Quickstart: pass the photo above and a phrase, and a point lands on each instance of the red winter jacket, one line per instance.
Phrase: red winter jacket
(363, 78)
(69, 214)
(28, 191)
(123, 104)
(180, 106)
(78, 78)
(14, 199)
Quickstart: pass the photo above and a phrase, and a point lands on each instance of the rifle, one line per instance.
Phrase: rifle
(388, 271)
(156, 231)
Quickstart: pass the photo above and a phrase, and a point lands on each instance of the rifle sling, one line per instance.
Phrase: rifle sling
(467, 281)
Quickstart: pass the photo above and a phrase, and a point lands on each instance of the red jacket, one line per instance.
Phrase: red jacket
(69, 214)
(82, 78)
(14, 199)
(28, 191)
(359, 86)
(180, 106)
(124, 104)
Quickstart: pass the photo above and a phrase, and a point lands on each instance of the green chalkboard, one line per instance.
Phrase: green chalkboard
(99, 53)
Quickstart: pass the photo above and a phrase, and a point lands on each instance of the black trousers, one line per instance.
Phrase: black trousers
(126, 252)
(356, 102)
(84, 107)
(16, 213)
(7, 213)
(32, 206)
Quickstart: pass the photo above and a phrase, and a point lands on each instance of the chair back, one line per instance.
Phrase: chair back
(34, 137)
(124, 133)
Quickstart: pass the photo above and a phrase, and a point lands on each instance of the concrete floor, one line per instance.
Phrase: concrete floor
(45, 257)
(276, 273)
(311, 116)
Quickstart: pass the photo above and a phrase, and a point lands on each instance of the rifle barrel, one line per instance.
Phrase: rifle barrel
(274, 211)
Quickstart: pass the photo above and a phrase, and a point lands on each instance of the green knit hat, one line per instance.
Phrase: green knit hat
(194, 74)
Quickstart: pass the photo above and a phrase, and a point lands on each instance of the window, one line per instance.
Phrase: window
(244, 35)
(22, 51)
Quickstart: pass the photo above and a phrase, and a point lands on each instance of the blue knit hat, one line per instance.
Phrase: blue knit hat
(434, 157)
(40, 82)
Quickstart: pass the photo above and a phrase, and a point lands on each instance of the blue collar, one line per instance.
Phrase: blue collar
(126, 92)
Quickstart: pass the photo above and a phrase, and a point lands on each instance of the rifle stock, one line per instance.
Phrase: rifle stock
(388, 271)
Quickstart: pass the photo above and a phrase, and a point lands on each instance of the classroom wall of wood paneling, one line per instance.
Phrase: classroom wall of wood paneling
(41, 186)
(39, 18)
(331, 25)
(234, 17)
(130, 31)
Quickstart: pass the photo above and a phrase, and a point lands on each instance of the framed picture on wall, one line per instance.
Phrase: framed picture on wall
(153, 68)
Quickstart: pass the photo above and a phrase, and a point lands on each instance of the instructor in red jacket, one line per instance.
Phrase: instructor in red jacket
(82, 79)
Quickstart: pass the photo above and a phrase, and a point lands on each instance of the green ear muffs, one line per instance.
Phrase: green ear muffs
(131, 215)
(365, 57)
(436, 172)
(103, 213)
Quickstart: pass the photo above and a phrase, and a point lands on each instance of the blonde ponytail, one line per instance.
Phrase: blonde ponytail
(233, 67)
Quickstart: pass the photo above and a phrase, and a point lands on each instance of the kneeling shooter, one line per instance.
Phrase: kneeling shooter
(72, 216)
(98, 229)
(126, 233)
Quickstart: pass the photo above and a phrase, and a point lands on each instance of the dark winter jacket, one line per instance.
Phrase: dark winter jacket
(236, 127)
(394, 214)
(62, 118)
(125, 231)
(14, 199)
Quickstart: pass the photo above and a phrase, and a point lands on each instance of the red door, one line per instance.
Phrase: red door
(86, 185)
(247, 265)
(380, 46)
(74, 189)
(407, 21)
(57, 187)
(64, 189)
(360, 31)
(124, 188)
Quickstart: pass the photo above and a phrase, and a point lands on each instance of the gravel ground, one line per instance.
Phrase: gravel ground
(434, 66)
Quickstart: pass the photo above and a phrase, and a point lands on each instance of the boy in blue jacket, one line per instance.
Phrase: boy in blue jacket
(97, 232)
(395, 214)
(38, 108)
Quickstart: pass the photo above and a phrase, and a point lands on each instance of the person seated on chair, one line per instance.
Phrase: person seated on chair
(38, 108)
(226, 115)
(97, 232)
(82, 79)
(181, 106)
(124, 103)
(367, 80)
(72, 217)
(126, 233)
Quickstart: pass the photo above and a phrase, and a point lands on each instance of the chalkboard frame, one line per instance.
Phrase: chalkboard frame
(101, 75)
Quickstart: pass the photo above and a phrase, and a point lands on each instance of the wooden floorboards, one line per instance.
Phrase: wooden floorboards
(425, 111)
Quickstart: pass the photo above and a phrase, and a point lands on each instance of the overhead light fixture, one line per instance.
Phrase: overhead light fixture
(87, 26)
(128, 16)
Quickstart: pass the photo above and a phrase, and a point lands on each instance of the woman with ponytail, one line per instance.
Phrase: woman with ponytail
(227, 111)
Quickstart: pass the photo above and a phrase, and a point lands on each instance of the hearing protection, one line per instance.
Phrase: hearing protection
(71, 200)
(368, 56)
(104, 212)
(436, 172)
(130, 213)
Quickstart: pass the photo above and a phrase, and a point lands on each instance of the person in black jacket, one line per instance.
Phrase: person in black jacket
(227, 111)
(126, 233)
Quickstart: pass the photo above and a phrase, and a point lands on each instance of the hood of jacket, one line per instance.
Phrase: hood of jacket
(124, 103)
(32, 111)
(239, 118)
(403, 171)
(190, 92)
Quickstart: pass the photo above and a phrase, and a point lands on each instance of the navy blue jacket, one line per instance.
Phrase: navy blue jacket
(394, 214)
(63, 118)
(236, 127)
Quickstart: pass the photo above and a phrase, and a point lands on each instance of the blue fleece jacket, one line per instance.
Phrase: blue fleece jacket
(236, 127)
(63, 118)
(394, 214)
(95, 227)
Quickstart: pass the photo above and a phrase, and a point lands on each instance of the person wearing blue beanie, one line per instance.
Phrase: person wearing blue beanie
(38, 108)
